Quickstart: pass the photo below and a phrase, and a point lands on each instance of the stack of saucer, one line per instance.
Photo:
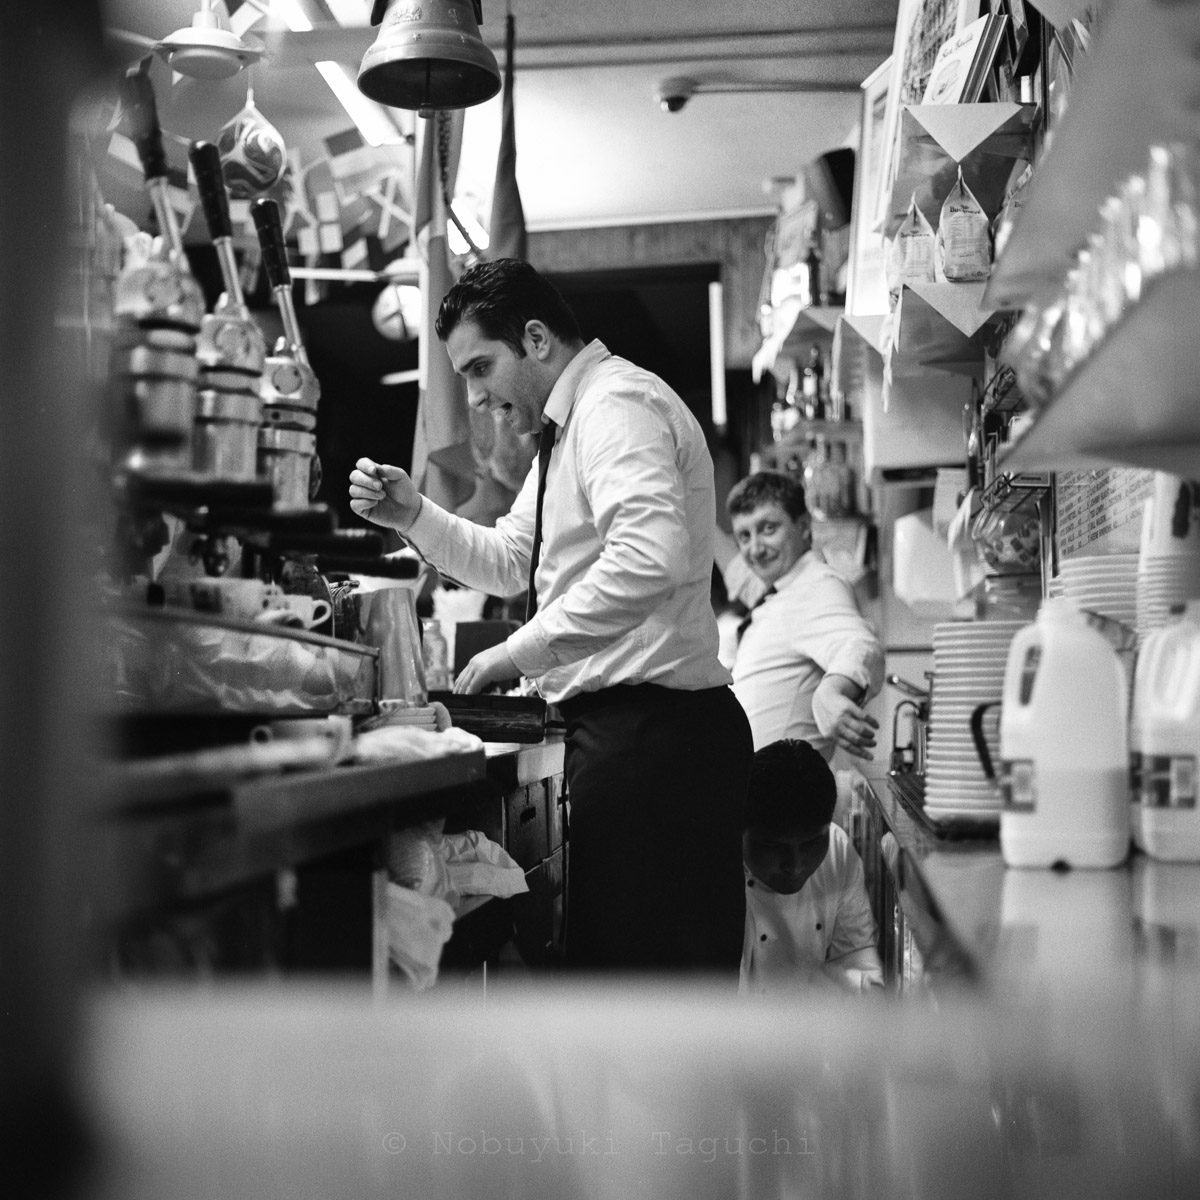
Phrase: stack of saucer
(1103, 583)
(969, 658)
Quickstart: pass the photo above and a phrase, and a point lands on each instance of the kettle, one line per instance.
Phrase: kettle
(1064, 770)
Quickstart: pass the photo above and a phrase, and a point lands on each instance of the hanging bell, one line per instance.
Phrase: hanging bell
(429, 55)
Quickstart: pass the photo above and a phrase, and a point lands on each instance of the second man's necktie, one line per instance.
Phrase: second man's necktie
(745, 621)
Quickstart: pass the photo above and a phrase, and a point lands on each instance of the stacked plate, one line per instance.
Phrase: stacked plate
(968, 670)
(1103, 583)
(1163, 582)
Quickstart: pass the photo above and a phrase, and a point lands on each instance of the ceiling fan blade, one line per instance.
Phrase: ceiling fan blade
(128, 45)
(327, 42)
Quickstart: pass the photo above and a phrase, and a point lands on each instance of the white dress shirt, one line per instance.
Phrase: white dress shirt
(789, 938)
(811, 627)
(624, 577)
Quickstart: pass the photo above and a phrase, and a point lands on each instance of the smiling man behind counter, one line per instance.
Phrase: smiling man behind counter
(624, 639)
(806, 658)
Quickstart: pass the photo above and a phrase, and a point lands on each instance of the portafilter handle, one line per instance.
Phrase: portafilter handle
(141, 120)
(274, 251)
(210, 183)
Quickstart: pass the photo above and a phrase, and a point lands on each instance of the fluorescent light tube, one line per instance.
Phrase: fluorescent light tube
(377, 128)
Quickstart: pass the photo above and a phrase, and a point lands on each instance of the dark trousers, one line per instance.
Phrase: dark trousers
(657, 783)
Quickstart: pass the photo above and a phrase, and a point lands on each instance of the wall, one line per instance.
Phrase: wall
(736, 245)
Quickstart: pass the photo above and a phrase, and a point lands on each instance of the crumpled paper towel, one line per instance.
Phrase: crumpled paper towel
(417, 929)
(405, 743)
(451, 866)
(477, 866)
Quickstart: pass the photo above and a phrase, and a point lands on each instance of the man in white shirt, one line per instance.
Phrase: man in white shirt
(623, 639)
(806, 659)
(808, 917)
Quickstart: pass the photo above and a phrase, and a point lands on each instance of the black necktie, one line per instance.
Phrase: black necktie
(745, 621)
(545, 446)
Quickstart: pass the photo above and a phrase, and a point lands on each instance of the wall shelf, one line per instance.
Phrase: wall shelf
(1139, 85)
(935, 139)
(1134, 402)
(794, 324)
(920, 425)
(941, 325)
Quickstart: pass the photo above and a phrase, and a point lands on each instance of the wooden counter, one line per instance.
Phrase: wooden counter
(204, 839)
(162, 850)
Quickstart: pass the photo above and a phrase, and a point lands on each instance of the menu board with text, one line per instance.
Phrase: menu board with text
(1100, 512)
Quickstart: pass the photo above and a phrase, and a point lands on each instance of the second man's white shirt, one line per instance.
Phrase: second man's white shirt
(811, 627)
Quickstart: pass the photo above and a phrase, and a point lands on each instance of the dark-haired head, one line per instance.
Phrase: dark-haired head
(501, 298)
(791, 788)
(767, 487)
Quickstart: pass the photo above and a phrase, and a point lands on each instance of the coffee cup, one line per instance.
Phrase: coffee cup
(241, 599)
(288, 609)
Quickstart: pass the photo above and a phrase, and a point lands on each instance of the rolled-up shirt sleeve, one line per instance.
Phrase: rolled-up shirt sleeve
(629, 475)
(842, 641)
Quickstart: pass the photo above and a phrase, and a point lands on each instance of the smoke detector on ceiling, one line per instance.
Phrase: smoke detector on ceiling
(206, 49)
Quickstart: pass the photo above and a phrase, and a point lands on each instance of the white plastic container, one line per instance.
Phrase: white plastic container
(1164, 741)
(1064, 745)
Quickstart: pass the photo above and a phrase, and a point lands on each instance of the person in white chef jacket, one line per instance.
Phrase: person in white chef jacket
(808, 917)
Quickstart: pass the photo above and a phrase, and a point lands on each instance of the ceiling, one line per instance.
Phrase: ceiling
(593, 146)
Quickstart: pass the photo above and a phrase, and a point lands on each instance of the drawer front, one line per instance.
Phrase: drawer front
(525, 825)
(555, 801)
(538, 913)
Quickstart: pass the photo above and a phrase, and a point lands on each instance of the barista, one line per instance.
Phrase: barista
(623, 639)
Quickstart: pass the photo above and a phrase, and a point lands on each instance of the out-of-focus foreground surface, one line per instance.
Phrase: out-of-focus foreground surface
(612, 1091)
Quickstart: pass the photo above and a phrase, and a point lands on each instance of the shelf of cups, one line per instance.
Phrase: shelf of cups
(1133, 401)
(1139, 85)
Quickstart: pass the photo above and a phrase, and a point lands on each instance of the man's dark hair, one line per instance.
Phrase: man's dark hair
(765, 487)
(791, 787)
(501, 297)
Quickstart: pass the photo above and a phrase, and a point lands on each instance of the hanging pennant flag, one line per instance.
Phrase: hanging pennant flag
(507, 455)
(506, 233)
(357, 167)
(243, 17)
(443, 465)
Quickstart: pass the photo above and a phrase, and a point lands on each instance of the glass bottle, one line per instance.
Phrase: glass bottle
(436, 653)
(816, 480)
(779, 418)
(815, 290)
(843, 478)
(811, 387)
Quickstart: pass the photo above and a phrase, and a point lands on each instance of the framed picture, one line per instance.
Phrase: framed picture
(866, 288)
